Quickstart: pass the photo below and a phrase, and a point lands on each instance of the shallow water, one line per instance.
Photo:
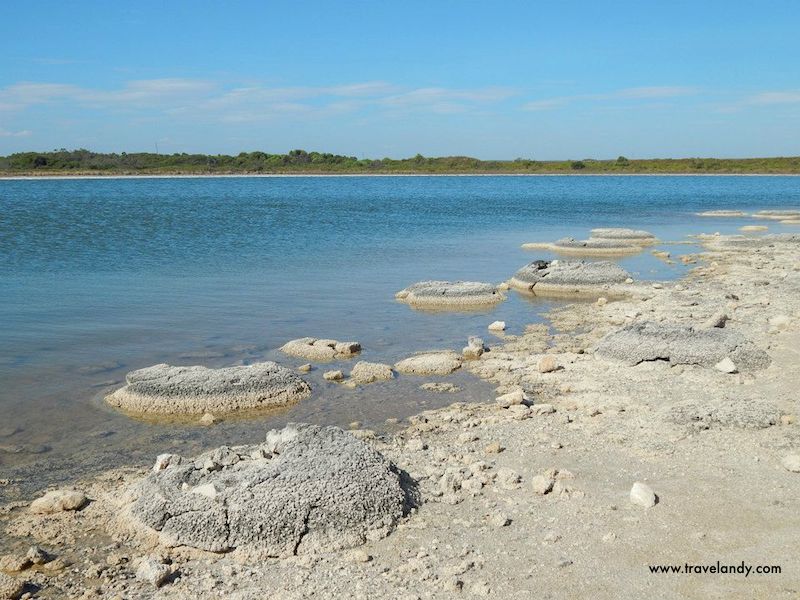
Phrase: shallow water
(99, 277)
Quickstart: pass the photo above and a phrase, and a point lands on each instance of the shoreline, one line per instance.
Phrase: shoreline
(318, 175)
(607, 426)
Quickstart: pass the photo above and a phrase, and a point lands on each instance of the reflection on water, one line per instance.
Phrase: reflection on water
(98, 278)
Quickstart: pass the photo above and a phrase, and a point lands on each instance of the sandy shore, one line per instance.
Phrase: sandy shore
(531, 499)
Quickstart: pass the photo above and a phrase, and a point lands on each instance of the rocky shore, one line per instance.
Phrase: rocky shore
(648, 428)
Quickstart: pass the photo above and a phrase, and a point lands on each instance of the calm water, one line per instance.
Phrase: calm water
(99, 277)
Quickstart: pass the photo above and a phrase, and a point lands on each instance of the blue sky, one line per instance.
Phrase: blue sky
(543, 80)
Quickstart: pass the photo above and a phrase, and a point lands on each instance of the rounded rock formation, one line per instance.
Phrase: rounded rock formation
(306, 489)
(315, 349)
(628, 236)
(167, 390)
(569, 278)
(681, 344)
(430, 363)
(590, 247)
(449, 294)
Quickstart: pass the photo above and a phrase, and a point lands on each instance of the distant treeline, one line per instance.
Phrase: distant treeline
(84, 162)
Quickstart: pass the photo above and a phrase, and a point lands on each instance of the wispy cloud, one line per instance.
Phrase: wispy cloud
(14, 134)
(785, 97)
(633, 93)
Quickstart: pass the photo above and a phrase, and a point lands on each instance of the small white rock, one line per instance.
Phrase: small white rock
(58, 501)
(791, 463)
(726, 365)
(497, 326)
(333, 375)
(643, 495)
(153, 572)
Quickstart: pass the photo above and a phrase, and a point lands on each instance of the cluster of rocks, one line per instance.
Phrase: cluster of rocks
(320, 350)
(570, 278)
(167, 390)
(611, 241)
(450, 294)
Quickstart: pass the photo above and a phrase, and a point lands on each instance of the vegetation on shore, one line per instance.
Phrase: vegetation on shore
(85, 162)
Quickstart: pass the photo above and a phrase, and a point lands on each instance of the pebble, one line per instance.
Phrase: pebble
(58, 501)
(359, 556)
(542, 484)
(305, 368)
(416, 445)
(153, 571)
(643, 495)
(602, 301)
(791, 463)
(726, 365)
(493, 448)
(508, 478)
(510, 399)
(497, 326)
(547, 364)
(208, 419)
(500, 520)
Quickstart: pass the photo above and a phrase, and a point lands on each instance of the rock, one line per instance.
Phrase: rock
(722, 213)
(510, 399)
(474, 348)
(680, 344)
(568, 278)
(58, 501)
(10, 588)
(602, 301)
(165, 460)
(543, 409)
(631, 236)
(208, 419)
(497, 326)
(429, 363)
(499, 519)
(779, 322)
(493, 448)
(359, 556)
(333, 375)
(718, 320)
(153, 571)
(416, 445)
(11, 563)
(316, 489)
(508, 478)
(441, 387)
(547, 364)
(542, 484)
(749, 228)
(163, 389)
(323, 350)
(444, 294)
(643, 495)
(37, 556)
(733, 412)
(364, 372)
(791, 462)
(592, 247)
(725, 366)
(305, 368)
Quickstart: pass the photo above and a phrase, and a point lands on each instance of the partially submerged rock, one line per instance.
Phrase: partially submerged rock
(590, 247)
(305, 490)
(315, 349)
(443, 294)
(722, 213)
(164, 389)
(777, 215)
(629, 236)
(429, 363)
(364, 372)
(569, 278)
(681, 344)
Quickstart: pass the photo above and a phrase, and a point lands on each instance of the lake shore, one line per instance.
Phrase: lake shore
(531, 492)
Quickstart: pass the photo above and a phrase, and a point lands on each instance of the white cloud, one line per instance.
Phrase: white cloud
(633, 93)
(786, 97)
(22, 133)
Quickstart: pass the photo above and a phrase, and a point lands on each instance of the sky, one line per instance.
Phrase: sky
(494, 80)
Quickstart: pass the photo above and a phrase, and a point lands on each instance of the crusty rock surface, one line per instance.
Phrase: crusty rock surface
(568, 278)
(728, 412)
(590, 247)
(164, 389)
(10, 588)
(56, 501)
(306, 489)
(681, 344)
(429, 363)
(321, 350)
(445, 294)
(364, 372)
(632, 236)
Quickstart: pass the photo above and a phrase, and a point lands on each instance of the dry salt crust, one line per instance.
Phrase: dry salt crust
(167, 390)
(321, 350)
(520, 499)
(571, 278)
(590, 247)
(449, 294)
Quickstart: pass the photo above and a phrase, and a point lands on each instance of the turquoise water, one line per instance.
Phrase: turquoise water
(98, 277)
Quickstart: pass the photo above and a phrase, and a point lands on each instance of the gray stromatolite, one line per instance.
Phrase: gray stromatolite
(164, 389)
(568, 277)
(681, 344)
(449, 293)
(307, 489)
(633, 236)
